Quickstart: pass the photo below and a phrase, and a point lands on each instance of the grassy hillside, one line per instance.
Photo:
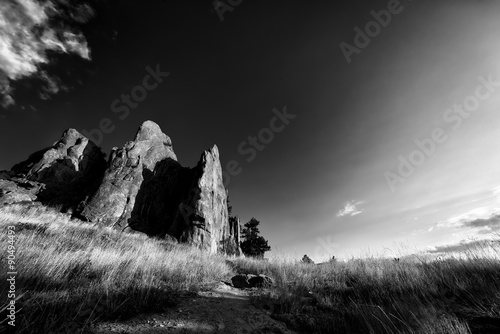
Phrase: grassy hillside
(72, 274)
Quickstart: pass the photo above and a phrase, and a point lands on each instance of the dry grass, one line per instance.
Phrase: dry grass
(73, 273)
(455, 295)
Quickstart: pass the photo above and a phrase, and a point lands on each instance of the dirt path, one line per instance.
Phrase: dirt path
(223, 309)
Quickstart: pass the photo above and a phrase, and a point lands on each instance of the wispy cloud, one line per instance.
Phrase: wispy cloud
(463, 246)
(458, 221)
(481, 220)
(351, 208)
(53, 86)
(28, 31)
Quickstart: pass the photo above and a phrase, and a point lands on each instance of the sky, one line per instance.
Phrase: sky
(345, 128)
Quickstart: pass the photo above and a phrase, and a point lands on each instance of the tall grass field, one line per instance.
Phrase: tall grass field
(71, 274)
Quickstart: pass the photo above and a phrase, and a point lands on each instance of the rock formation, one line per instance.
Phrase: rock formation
(142, 188)
(129, 169)
(63, 174)
(234, 237)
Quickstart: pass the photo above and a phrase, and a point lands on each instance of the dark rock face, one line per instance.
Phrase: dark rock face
(63, 174)
(202, 216)
(232, 243)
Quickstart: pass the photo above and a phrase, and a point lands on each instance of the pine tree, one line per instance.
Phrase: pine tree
(253, 244)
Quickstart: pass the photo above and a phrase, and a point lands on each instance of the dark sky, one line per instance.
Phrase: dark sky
(319, 186)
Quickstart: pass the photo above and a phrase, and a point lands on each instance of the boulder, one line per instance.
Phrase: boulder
(261, 281)
(243, 281)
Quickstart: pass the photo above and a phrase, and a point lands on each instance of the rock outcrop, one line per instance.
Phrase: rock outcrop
(63, 174)
(129, 169)
(201, 217)
(146, 189)
(17, 190)
(141, 188)
(232, 243)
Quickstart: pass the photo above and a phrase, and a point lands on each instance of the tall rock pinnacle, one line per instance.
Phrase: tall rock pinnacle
(145, 189)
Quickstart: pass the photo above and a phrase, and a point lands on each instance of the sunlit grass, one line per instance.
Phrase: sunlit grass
(67, 267)
(73, 273)
(373, 295)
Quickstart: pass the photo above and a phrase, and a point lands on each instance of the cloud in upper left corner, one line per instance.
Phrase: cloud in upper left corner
(351, 208)
(27, 32)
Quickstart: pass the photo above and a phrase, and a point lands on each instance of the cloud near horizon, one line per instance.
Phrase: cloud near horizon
(483, 219)
(463, 246)
(351, 208)
(486, 225)
(471, 215)
(26, 34)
